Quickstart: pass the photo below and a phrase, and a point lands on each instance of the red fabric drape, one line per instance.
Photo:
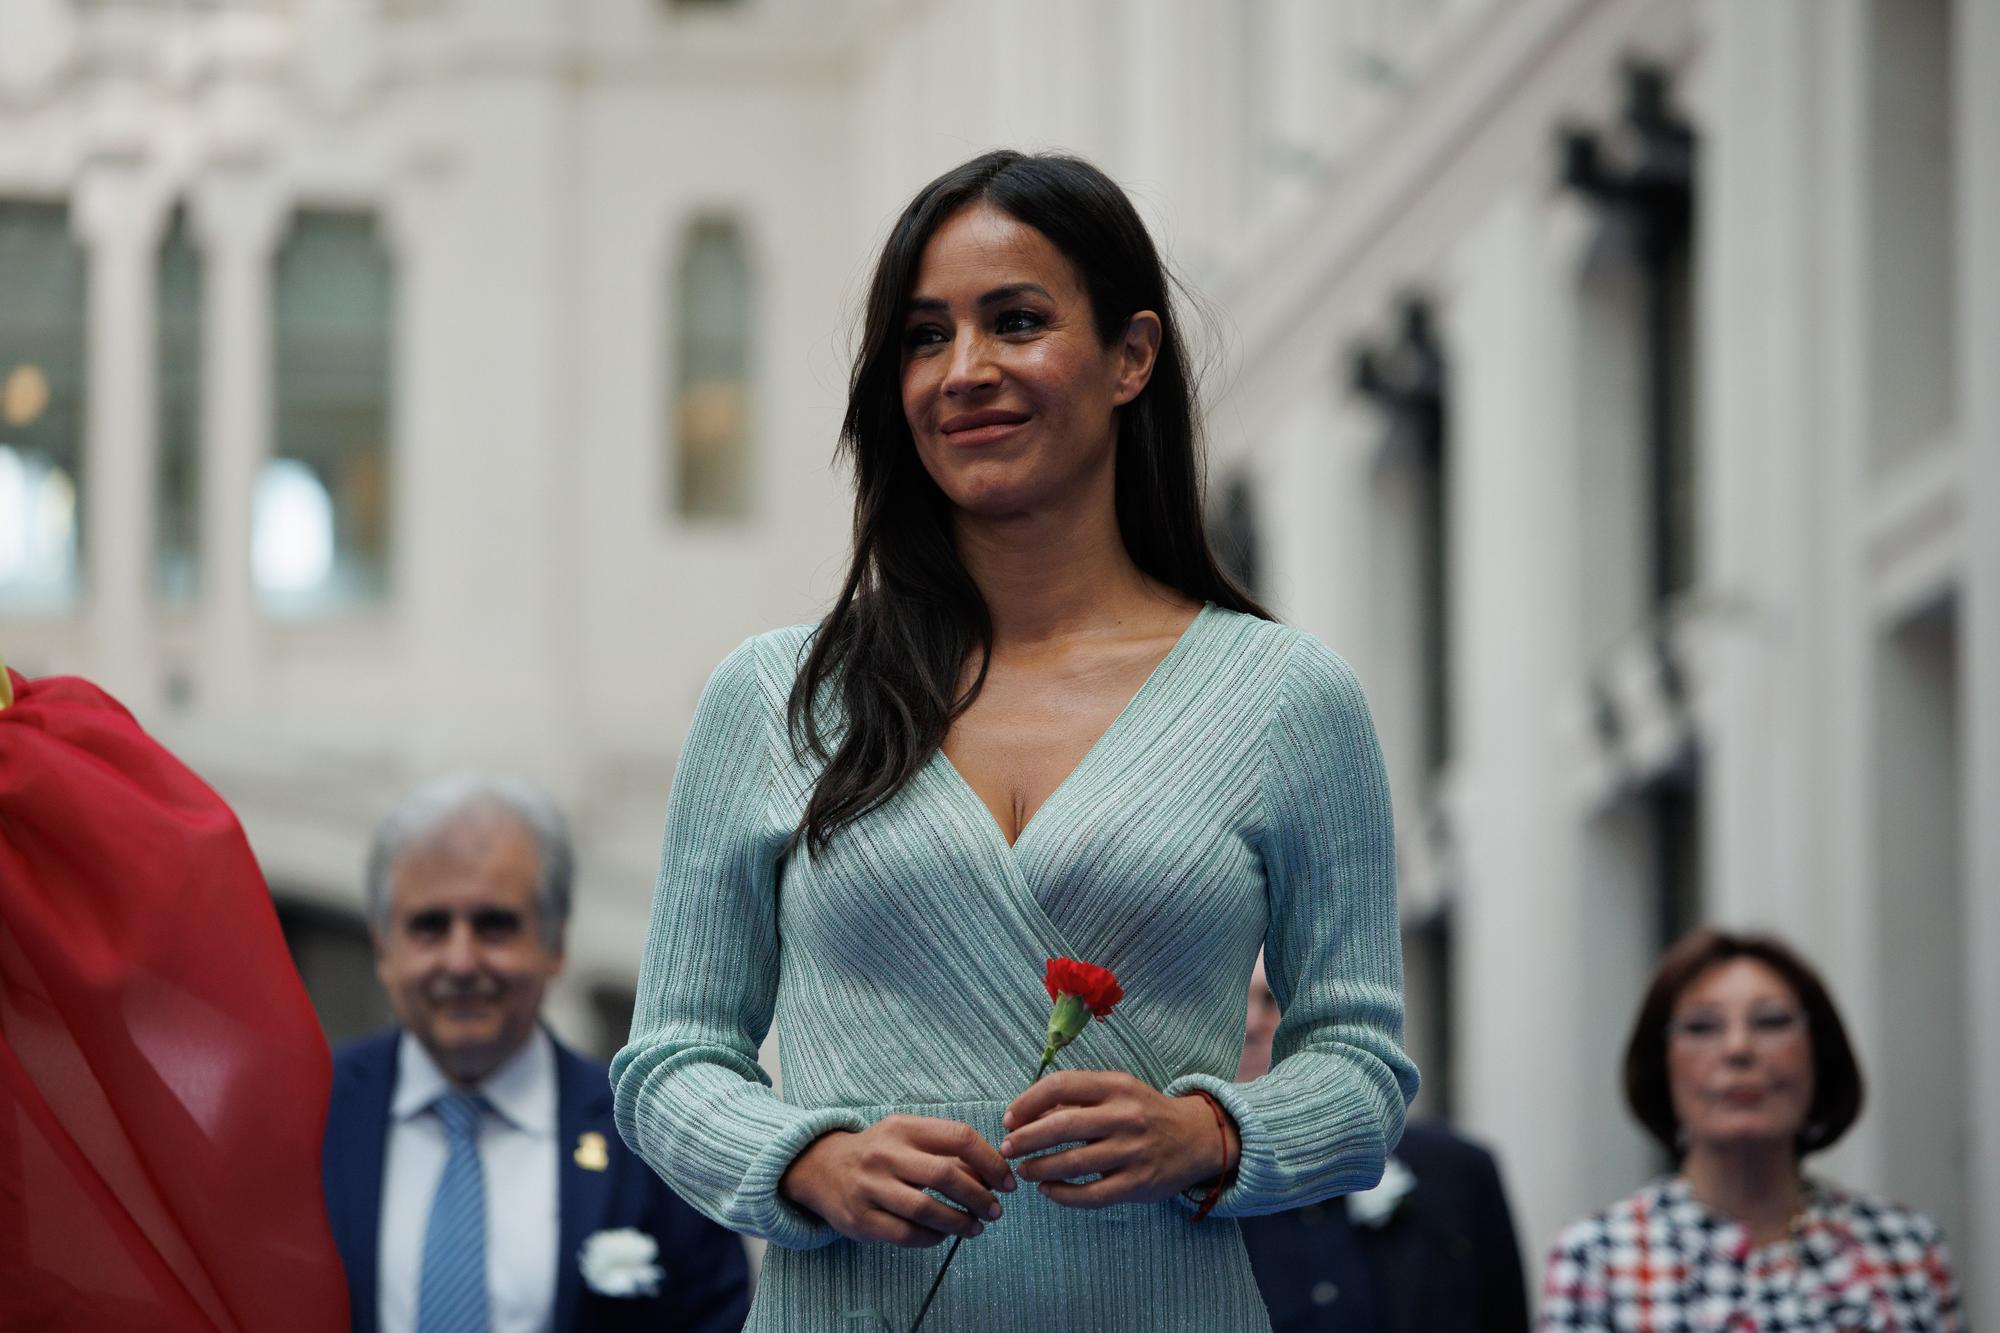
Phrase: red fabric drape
(163, 1082)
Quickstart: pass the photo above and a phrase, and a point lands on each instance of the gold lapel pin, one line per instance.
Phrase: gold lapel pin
(591, 1152)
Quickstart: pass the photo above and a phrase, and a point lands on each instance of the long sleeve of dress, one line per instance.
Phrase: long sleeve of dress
(1324, 1120)
(689, 1094)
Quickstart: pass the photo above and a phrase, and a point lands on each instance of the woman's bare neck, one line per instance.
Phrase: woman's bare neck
(1045, 582)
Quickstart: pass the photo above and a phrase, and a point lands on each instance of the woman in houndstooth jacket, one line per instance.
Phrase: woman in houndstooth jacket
(1740, 1065)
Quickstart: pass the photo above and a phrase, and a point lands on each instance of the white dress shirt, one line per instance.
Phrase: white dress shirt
(517, 1153)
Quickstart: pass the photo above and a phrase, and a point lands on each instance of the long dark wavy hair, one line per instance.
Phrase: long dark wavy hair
(895, 644)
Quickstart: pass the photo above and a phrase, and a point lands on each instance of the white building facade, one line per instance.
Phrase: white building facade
(418, 385)
(1688, 614)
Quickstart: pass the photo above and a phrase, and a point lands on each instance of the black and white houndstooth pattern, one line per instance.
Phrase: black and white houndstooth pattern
(1659, 1262)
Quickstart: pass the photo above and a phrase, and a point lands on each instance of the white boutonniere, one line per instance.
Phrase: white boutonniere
(620, 1263)
(1374, 1207)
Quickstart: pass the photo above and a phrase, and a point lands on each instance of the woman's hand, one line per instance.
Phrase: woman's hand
(869, 1185)
(1145, 1145)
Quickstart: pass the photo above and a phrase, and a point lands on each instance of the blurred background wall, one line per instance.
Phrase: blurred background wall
(396, 386)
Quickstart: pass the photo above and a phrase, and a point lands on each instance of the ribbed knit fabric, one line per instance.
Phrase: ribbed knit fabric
(1239, 799)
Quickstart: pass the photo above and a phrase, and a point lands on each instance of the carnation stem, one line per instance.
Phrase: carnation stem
(931, 1295)
(956, 1241)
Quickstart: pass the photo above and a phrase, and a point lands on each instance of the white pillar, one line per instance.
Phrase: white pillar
(1762, 466)
(238, 217)
(1546, 949)
(1846, 905)
(1977, 140)
(120, 225)
(1312, 503)
(1149, 124)
(485, 624)
(1304, 57)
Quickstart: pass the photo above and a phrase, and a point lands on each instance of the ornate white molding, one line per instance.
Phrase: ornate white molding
(38, 46)
(340, 56)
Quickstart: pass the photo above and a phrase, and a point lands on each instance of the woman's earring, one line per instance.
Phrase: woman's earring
(1681, 1139)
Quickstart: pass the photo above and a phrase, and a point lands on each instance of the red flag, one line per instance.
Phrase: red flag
(163, 1083)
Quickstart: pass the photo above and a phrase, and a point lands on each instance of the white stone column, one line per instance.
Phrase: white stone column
(119, 222)
(480, 427)
(1519, 920)
(1846, 905)
(1977, 139)
(1212, 187)
(1555, 935)
(1150, 117)
(238, 218)
(1312, 492)
(1303, 60)
(1765, 546)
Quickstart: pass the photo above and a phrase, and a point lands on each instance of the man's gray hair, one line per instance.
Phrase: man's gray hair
(439, 803)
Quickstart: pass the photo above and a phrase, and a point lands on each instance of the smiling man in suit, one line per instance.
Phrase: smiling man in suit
(1429, 1250)
(471, 1162)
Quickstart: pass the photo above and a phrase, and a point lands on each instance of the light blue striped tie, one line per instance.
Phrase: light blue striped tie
(451, 1288)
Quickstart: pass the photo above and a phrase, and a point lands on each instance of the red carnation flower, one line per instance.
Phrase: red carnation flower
(1077, 992)
(1096, 986)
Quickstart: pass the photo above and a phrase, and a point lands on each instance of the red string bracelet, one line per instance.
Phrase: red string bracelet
(1228, 1176)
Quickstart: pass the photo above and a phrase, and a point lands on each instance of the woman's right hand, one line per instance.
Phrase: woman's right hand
(869, 1184)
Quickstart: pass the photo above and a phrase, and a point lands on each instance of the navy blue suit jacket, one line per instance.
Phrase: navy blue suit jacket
(1445, 1262)
(707, 1280)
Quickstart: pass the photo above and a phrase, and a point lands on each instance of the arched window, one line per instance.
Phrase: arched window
(177, 524)
(711, 421)
(42, 279)
(335, 299)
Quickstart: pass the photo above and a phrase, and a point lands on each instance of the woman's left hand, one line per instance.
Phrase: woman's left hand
(1144, 1145)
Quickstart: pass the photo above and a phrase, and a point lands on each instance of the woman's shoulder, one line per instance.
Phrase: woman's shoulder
(1312, 684)
(762, 665)
(1647, 1210)
(786, 647)
(1305, 658)
(1247, 629)
(1872, 1219)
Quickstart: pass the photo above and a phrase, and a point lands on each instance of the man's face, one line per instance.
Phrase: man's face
(461, 954)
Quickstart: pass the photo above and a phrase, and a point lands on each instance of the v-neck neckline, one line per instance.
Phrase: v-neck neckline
(1119, 722)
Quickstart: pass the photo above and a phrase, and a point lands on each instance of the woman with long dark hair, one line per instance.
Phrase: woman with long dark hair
(1037, 722)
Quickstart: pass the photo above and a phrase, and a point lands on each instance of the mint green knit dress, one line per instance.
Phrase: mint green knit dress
(1238, 800)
